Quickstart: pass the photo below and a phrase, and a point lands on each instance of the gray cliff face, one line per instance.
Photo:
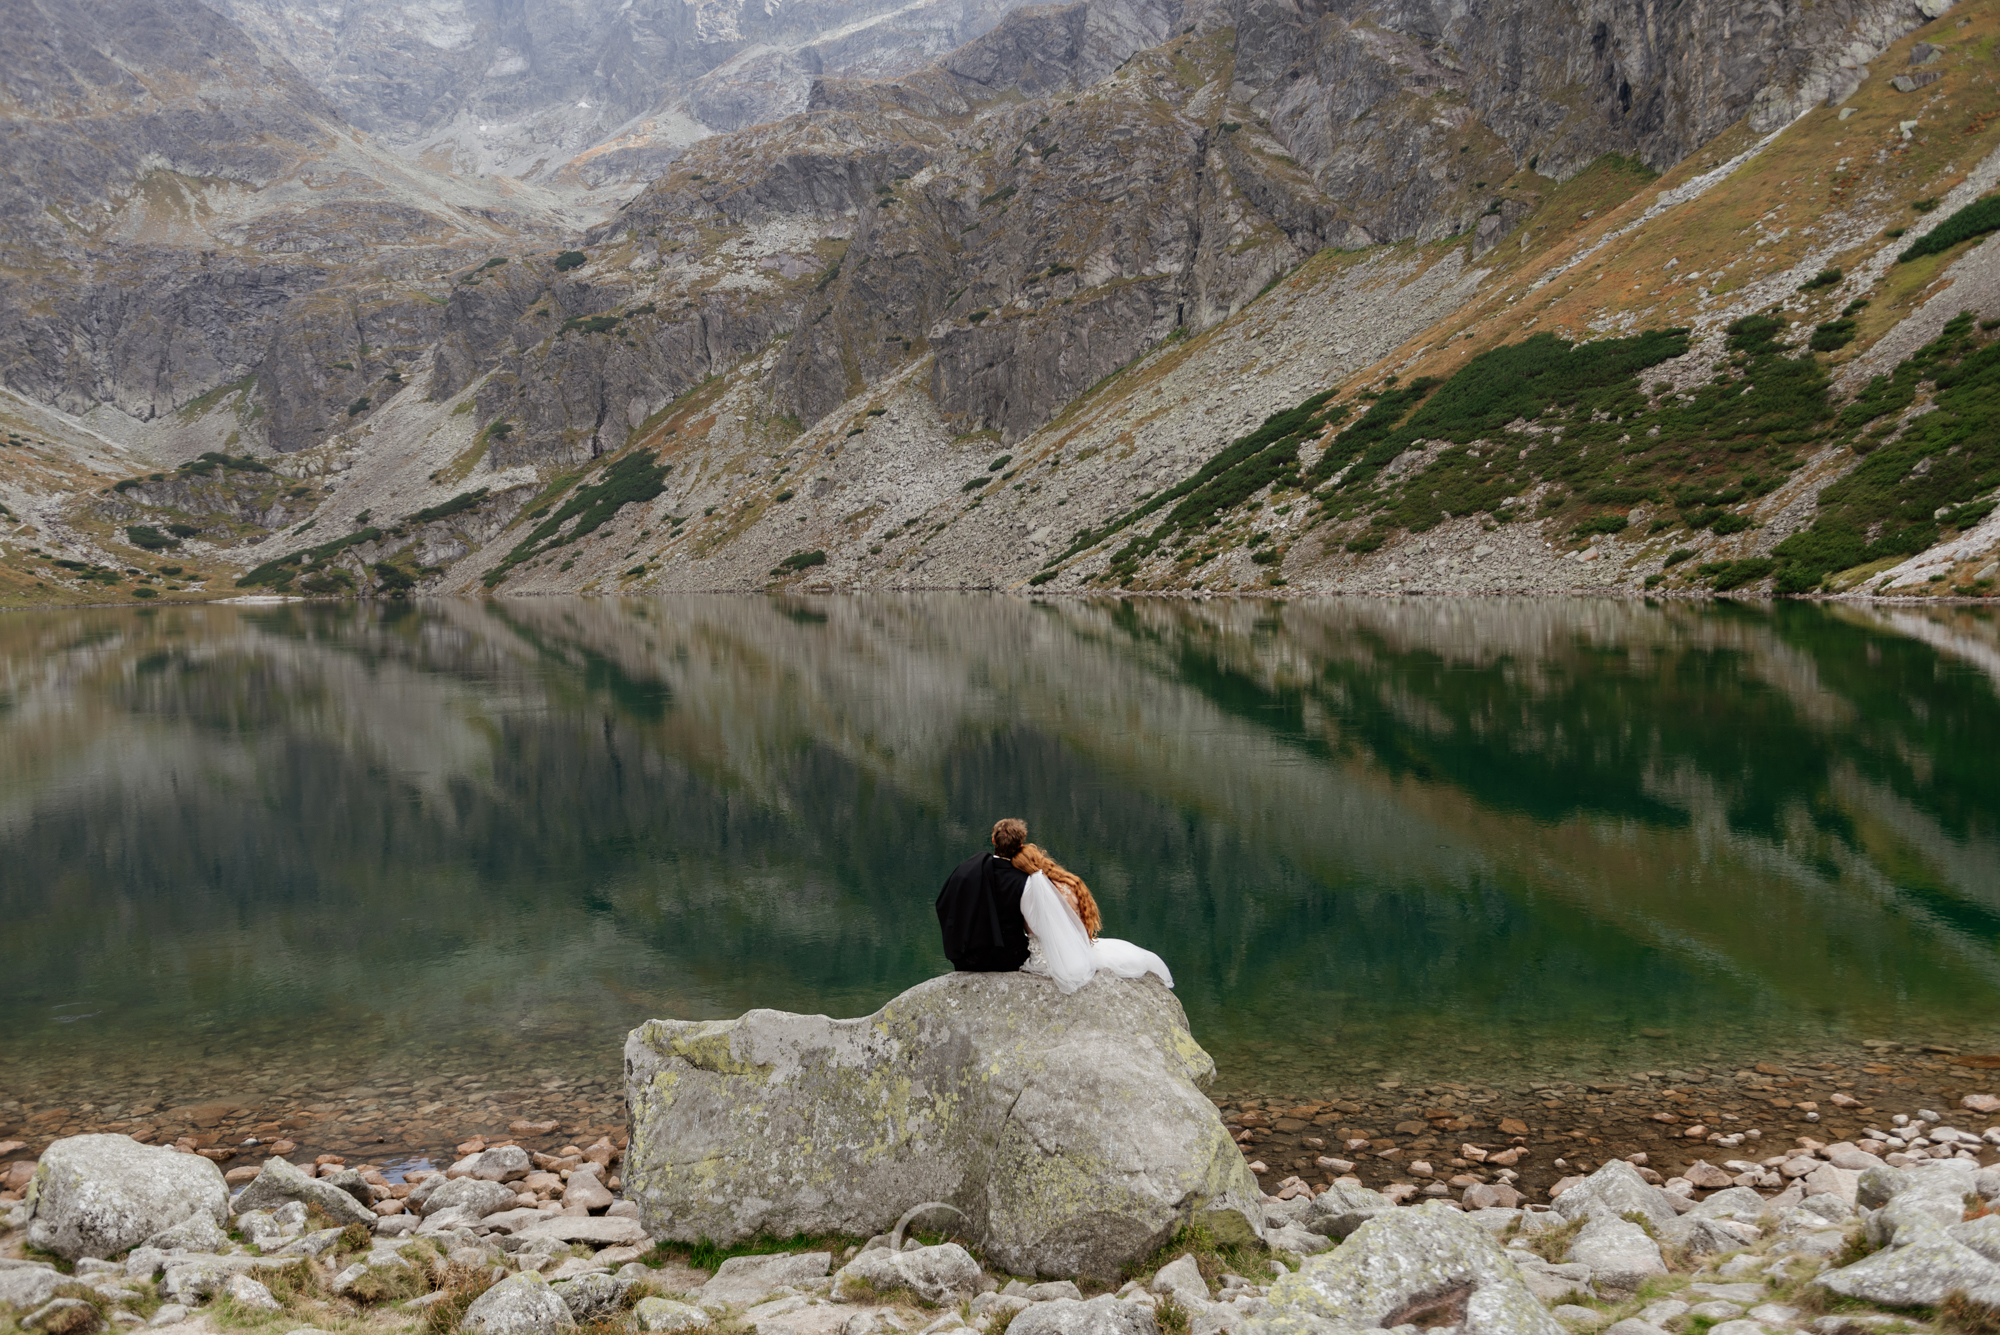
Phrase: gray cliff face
(597, 90)
(1404, 113)
(974, 211)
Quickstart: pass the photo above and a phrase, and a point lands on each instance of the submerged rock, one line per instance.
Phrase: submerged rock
(95, 1195)
(1071, 1132)
(1428, 1265)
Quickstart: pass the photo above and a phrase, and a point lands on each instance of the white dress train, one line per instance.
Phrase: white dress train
(1063, 949)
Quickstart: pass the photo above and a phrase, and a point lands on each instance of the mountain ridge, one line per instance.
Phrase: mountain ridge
(1065, 267)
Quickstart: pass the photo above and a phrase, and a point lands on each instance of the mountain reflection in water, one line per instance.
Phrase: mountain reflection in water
(1401, 837)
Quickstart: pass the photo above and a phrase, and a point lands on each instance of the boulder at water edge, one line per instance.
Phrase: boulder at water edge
(1070, 1131)
(95, 1195)
(279, 1183)
(1430, 1265)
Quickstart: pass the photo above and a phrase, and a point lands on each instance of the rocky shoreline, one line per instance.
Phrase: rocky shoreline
(1559, 1126)
(1083, 1182)
(508, 1243)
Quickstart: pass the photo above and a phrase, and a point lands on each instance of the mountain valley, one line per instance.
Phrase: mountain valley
(1223, 295)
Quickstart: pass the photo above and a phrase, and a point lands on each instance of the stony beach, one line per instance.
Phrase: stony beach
(1559, 1126)
(1813, 1199)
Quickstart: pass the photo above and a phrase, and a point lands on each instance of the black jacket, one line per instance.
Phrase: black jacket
(979, 911)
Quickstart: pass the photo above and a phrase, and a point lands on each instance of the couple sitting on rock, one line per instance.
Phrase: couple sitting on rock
(1017, 908)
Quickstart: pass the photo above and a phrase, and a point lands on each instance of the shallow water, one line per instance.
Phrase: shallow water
(256, 850)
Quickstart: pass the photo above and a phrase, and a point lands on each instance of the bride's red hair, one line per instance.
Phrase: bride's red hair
(1032, 859)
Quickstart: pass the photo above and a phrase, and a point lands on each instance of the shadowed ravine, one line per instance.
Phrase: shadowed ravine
(1373, 838)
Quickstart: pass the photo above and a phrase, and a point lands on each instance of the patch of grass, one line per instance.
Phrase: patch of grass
(706, 1255)
(634, 479)
(458, 504)
(150, 538)
(1727, 575)
(1266, 456)
(1213, 1257)
(1975, 219)
(798, 561)
(571, 259)
(1553, 1244)
(1945, 458)
(1967, 1316)
(462, 1285)
(1171, 1317)
(1824, 278)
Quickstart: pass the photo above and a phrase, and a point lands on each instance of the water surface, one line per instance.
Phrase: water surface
(251, 846)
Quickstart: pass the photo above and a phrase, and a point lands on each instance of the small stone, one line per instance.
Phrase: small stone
(663, 1316)
(1499, 1196)
(1981, 1103)
(1706, 1175)
(586, 1191)
(170, 1314)
(1575, 1312)
(247, 1292)
(522, 1304)
(1715, 1311)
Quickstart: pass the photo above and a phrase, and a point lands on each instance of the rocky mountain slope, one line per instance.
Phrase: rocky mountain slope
(1216, 294)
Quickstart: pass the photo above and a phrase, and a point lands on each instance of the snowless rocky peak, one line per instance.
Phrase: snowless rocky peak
(531, 89)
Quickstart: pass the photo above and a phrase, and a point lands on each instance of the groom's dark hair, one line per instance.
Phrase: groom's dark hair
(1009, 835)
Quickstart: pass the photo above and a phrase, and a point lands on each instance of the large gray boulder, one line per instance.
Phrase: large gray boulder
(279, 1183)
(1930, 1194)
(29, 1286)
(1620, 1256)
(95, 1195)
(941, 1274)
(1070, 1131)
(743, 1280)
(523, 1304)
(474, 1195)
(1429, 1265)
(1926, 1252)
(1612, 1192)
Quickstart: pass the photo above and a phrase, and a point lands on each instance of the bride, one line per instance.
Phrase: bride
(1063, 922)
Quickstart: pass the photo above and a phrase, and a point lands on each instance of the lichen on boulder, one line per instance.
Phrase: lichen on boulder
(1070, 1131)
(99, 1194)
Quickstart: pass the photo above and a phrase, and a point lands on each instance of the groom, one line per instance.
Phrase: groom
(979, 908)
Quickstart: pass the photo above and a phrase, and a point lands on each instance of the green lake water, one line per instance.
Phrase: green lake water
(1373, 838)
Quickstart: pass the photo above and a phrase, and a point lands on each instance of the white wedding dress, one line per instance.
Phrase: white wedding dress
(1063, 950)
